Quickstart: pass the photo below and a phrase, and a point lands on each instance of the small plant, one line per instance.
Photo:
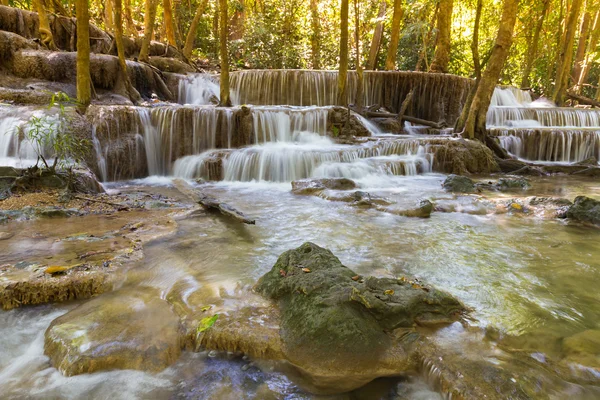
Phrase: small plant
(53, 134)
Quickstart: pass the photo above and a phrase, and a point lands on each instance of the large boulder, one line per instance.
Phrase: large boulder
(463, 157)
(312, 186)
(332, 320)
(585, 209)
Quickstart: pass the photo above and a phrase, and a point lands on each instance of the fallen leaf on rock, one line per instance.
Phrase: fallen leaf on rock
(307, 270)
(389, 292)
(416, 286)
(56, 269)
(355, 278)
(207, 322)
(206, 308)
(282, 272)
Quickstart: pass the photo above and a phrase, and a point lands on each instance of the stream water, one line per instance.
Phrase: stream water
(531, 282)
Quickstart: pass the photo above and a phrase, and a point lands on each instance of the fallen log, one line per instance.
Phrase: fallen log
(583, 100)
(408, 118)
(211, 203)
(405, 105)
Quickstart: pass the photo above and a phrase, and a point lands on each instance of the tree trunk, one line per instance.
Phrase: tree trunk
(129, 20)
(133, 94)
(359, 69)
(390, 61)
(170, 31)
(475, 41)
(584, 33)
(532, 46)
(149, 18)
(4, 2)
(588, 60)
(236, 31)
(84, 83)
(441, 57)
(191, 36)
(343, 67)
(223, 37)
(566, 54)
(377, 35)
(216, 28)
(44, 29)
(57, 7)
(315, 37)
(474, 125)
(109, 22)
(426, 40)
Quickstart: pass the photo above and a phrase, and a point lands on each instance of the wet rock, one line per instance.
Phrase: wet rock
(593, 172)
(563, 169)
(506, 184)
(55, 212)
(462, 157)
(585, 209)
(312, 186)
(79, 180)
(6, 235)
(459, 184)
(9, 172)
(117, 331)
(391, 125)
(583, 348)
(334, 327)
(423, 209)
(590, 162)
(528, 171)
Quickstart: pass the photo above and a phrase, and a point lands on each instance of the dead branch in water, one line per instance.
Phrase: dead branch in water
(210, 202)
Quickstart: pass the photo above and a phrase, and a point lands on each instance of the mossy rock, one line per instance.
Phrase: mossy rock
(459, 184)
(585, 209)
(329, 315)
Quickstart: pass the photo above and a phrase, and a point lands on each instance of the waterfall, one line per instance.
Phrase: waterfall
(199, 89)
(438, 97)
(540, 131)
(280, 124)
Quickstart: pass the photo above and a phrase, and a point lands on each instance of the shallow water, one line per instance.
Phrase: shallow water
(523, 276)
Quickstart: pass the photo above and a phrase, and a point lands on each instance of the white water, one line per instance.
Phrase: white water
(199, 89)
(540, 131)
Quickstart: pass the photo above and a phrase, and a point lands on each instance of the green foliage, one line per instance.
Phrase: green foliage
(206, 323)
(52, 136)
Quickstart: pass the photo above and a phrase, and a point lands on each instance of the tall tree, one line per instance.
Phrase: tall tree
(566, 54)
(588, 60)
(133, 94)
(475, 40)
(44, 29)
(168, 21)
(131, 30)
(390, 61)
(149, 17)
(343, 67)
(474, 124)
(359, 69)
(532, 46)
(223, 37)
(584, 33)
(426, 39)
(377, 35)
(315, 37)
(84, 83)
(441, 57)
(109, 16)
(191, 36)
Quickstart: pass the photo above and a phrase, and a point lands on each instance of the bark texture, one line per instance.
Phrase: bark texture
(343, 67)
(149, 18)
(377, 35)
(191, 36)
(565, 58)
(441, 57)
(390, 61)
(223, 36)
(84, 83)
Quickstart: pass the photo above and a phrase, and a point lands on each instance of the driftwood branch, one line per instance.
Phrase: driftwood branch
(211, 203)
(405, 105)
(583, 100)
(408, 118)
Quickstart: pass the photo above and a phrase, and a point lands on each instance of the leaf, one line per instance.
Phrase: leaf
(307, 270)
(389, 292)
(206, 308)
(355, 278)
(206, 323)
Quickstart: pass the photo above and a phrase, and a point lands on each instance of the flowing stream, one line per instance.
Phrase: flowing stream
(531, 282)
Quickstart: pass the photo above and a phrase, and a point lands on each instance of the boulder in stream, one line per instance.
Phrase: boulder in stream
(313, 186)
(459, 184)
(585, 209)
(336, 326)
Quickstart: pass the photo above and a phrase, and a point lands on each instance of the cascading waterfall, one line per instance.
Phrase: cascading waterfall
(15, 149)
(199, 89)
(539, 131)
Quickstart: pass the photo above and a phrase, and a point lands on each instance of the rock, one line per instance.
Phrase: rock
(6, 235)
(390, 125)
(9, 172)
(528, 171)
(585, 209)
(117, 331)
(505, 184)
(590, 162)
(459, 184)
(6, 184)
(312, 186)
(589, 172)
(332, 324)
(423, 209)
(55, 212)
(563, 169)
(463, 156)
(583, 348)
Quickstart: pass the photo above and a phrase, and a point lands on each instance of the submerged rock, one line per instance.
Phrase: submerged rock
(583, 348)
(585, 209)
(459, 184)
(423, 209)
(312, 186)
(505, 184)
(117, 331)
(335, 325)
